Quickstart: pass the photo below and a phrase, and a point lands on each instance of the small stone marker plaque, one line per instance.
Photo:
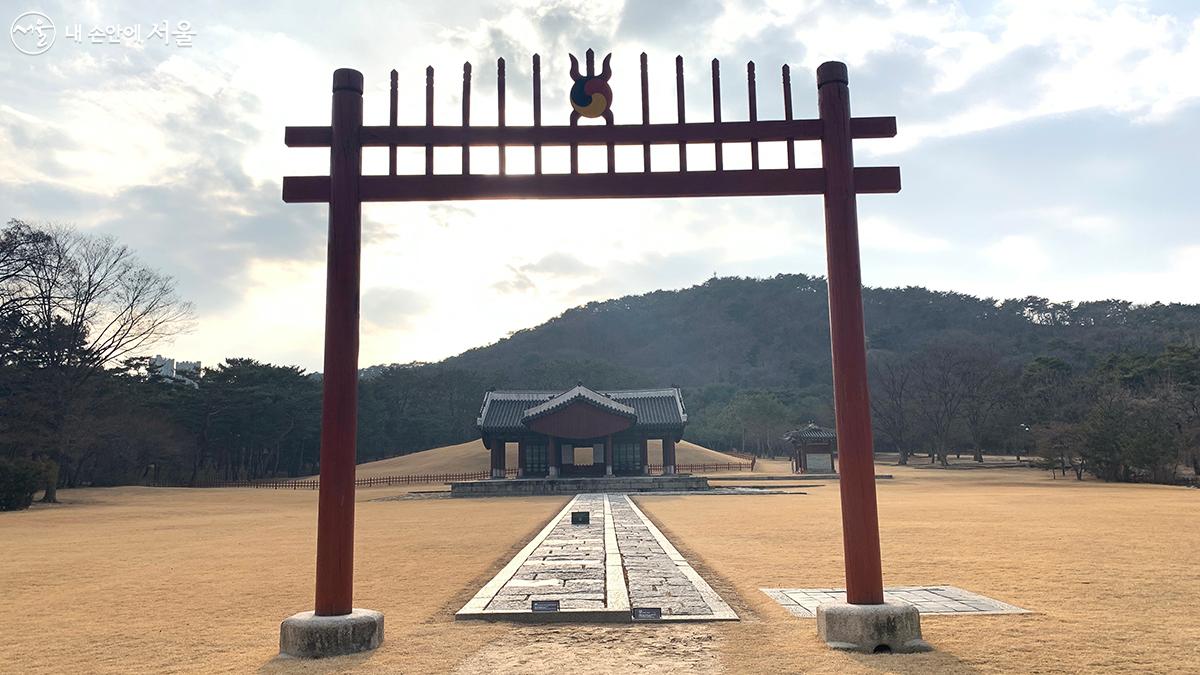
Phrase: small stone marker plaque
(581, 517)
(544, 606)
(647, 613)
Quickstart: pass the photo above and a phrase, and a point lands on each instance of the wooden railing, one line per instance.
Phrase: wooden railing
(656, 469)
(372, 481)
(435, 478)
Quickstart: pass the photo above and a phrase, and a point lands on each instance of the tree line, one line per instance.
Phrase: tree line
(1106, 388)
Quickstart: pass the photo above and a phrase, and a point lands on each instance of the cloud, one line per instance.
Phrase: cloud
(559, 264)
(392, 308)
(681, 22)
(1018, 254)
(650, 272)
(444, 214)
(880, 233)
(1072, 219)
(519, 282)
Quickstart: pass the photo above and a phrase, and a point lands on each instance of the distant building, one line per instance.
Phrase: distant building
(548, 426)
(182, 372)
(160, 365)
(814, 449)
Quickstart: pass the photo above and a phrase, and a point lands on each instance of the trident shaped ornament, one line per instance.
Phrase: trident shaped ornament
(590, 95)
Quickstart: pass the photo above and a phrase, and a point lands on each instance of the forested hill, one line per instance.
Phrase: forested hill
(775, 333)
(1107, 387)
(758, 345)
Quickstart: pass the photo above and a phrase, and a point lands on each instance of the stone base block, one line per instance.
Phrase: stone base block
(310, 636)
(887, 628)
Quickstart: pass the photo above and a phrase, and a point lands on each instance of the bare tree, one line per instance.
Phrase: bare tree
(985, 385)
(891, 392)
(21, 247)
(939, 393)
(90, 303)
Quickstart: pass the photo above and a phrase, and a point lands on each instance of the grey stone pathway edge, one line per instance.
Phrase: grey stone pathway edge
(803, 602)
(598, 572)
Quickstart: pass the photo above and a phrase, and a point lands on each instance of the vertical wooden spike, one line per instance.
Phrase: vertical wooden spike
(716, 91)
(392, 112)
(466, 116)
(537, 110)
(612, 151)
(591, 62)
(787, 113)
(679, 109)
(500, 106)
(428, 117)
(645, 112)
(574, 148)
(753, 94)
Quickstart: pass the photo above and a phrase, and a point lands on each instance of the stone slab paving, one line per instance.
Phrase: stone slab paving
(598, 571)
(567, 566)
(658, 575)
(802, 602)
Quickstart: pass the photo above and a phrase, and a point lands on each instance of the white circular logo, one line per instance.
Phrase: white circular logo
(32, 33)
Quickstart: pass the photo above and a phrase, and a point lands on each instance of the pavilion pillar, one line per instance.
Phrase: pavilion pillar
(668, 456)
(553, 457)
(608, 455)
(498, 457)
(644, 451)
(521, 458)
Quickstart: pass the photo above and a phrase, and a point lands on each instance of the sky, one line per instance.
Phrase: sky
(1046, 148)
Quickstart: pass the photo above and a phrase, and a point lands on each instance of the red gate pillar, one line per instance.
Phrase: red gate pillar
(335, 626)
(860, 519)
(339, 404)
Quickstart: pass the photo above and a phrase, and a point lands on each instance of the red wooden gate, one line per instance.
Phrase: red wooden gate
(346, 188)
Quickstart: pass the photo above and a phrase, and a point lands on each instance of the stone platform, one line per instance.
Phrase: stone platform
(618, 567)
(803, 602)
(524, 487)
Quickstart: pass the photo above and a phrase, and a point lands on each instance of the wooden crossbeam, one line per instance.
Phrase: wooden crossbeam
(619, 134)
(729, 183)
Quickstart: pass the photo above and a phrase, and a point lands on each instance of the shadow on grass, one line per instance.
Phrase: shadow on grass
(334, 664)
(936, 661)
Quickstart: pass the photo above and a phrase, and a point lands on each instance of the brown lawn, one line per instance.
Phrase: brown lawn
(473, 457)
(138, 580)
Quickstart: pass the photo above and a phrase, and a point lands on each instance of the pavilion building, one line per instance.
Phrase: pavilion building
(814, 449)
(548, 427)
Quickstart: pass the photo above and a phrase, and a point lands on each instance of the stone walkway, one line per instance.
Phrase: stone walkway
(617, 565)
(802, 602)
(567, 566)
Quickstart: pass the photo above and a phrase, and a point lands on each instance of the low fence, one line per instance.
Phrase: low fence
(656, 469)
(372, 481)
(435, 478)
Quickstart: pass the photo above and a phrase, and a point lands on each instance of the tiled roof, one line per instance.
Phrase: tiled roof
(810, 432)
(507, 410)
(579, 393)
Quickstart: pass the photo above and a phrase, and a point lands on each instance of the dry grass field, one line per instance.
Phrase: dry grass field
(472, 456)
(139, 580)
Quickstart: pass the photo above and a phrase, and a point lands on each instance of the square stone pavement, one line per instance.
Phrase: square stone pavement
(802, 602)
